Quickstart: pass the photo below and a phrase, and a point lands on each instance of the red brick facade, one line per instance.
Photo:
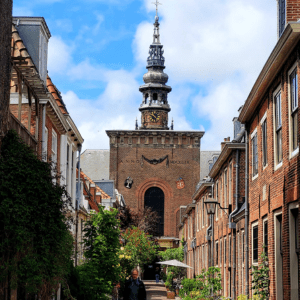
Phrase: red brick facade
(179, 154)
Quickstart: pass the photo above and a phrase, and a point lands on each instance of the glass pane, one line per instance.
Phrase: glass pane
(295, 129)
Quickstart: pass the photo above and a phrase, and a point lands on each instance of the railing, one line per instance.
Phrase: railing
(23, 132)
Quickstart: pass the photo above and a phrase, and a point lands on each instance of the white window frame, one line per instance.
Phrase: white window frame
(225, 176)
(254, 224)
(253, 135)
(278, 281)
(230, 184)
(292, 151)
(197, 215)
(262, 121)
(277, 163)
(54, 146)
(217, 198)
(46, 144)
(265, 220)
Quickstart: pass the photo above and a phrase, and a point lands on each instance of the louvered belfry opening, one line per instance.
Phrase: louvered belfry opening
(155, 199)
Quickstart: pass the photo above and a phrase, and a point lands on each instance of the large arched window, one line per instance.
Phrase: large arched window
(155, 199)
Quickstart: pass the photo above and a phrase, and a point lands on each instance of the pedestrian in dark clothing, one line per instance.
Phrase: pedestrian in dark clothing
(134, 287)
(157, 274)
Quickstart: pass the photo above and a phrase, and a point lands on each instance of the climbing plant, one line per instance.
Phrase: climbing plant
(260, 278)
(35, 242)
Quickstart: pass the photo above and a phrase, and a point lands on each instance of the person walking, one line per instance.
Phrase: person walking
(134, 287)
(157, 274)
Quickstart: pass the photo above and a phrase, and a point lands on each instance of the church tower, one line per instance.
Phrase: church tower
(153, 165)
(155, 107)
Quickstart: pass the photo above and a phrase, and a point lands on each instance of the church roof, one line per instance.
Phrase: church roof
(95, 163)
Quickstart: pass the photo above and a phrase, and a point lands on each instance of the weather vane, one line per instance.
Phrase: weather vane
(156, 3)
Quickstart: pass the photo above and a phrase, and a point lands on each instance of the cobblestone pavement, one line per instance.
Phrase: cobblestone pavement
(155, 291)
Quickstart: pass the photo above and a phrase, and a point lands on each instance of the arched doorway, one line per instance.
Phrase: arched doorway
(155, 199)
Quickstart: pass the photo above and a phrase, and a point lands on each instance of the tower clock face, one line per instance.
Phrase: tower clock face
(154, 116)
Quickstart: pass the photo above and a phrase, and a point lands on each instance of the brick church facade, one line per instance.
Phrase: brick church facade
(154, 165)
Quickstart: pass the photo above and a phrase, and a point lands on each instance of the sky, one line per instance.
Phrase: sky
(214, 52)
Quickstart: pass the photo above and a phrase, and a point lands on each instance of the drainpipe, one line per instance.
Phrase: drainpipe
(211, 228)
(232, 225)
(44, 103)
(246, 216)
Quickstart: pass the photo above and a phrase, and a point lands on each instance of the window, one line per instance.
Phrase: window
(265, 232)
(255, 243)
(217, 253)
(281, 16)
(254, 155)
(293, 80)
(278, 255)
(197, 216)
(225, 244)
(45, 150)
(264, 142)
(278, 128)
(217, 197)
(225, 188)
(203, 212)
(221, 252)
(54, 146)
(230, 185)
(68, 165)
(72, 173)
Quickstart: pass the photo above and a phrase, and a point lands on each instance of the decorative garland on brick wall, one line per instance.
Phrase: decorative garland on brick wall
(155, 161)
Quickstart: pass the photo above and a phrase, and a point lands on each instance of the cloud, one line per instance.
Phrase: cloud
(59, 55)
(211, 41)
(115, 108)
(220, 106)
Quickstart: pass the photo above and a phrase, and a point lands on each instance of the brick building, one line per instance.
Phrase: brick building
(270, 115)
(265, 207)
(154, 165)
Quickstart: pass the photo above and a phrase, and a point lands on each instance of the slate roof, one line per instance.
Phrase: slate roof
(95, 163)
(205, 158)
(98, 189)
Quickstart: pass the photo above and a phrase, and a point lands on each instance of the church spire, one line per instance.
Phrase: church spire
(155, 107)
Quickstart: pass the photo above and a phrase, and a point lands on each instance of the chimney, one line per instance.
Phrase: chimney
(35, 35)
(288, 11)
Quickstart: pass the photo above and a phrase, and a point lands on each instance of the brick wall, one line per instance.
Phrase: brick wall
(182, 161)
(276, 186)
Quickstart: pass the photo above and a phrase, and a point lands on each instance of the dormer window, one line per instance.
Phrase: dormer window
(281, 16)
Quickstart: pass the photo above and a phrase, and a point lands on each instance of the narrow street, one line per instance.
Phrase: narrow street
(155, 291)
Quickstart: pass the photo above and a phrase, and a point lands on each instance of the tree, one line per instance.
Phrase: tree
(5, 63)
(101, 269)
(35, 242)
(170, 254)
(145, 219)
(139, 246)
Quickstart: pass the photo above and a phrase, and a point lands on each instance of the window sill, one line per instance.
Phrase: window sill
(255, 264)
(294, 153)
(254, 177)
(264, 167)
(278, 166)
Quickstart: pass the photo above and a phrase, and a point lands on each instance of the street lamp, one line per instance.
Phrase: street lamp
(211, 204)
